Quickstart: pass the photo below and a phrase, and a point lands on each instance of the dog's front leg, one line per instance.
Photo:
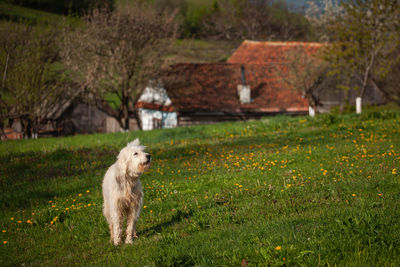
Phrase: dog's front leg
(116, 232)
(131, 225)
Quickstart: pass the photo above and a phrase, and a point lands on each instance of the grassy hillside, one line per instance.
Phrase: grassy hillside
(200, 51)
(18, 13)
(283, 190)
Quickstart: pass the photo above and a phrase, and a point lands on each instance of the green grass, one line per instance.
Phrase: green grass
(279, 191)
(200, 51)
(18, 13)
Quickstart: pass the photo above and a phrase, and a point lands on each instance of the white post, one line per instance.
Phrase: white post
(358, 105)
(311, 111)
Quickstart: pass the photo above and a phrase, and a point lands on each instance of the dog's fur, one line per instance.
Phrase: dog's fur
(122, 191)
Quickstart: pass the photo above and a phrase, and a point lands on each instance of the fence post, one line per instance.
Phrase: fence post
(358, 105)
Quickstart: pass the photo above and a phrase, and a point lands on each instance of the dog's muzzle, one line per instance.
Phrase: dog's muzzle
(148, 157)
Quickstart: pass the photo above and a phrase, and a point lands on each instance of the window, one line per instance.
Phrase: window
(157, 123)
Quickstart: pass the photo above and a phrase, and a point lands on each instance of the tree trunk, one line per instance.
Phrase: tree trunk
(124, 113)
(26, 127)
(344, 101)
(312, 101)
(137, 117)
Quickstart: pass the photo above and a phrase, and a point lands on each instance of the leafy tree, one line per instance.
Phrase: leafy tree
(115, 54)
(363, 41)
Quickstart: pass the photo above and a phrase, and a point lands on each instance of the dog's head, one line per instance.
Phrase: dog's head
(132, 160)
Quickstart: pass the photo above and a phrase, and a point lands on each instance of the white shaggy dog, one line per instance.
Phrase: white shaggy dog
(122, 191)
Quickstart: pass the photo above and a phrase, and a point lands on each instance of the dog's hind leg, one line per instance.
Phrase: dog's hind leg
(106, 212)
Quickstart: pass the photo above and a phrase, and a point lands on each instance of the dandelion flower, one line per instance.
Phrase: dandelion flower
(278, 248)
(5, 242)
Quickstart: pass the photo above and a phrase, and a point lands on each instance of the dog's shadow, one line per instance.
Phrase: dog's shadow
(178, 217)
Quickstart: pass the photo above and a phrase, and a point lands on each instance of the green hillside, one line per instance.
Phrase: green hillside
(18, 13)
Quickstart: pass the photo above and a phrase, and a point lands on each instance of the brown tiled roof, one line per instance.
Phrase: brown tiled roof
(252, 52)
(213, 88)
(154, 106)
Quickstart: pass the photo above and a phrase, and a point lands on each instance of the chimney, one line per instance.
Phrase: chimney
(243, 89)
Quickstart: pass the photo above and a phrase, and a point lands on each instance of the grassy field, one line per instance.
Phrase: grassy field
(279, 191)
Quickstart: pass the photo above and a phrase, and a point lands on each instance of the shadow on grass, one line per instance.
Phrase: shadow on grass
(180, 216)
(36, 166)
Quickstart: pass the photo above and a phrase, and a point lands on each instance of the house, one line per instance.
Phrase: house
(155, 108)
(247, 86)
(215, 92)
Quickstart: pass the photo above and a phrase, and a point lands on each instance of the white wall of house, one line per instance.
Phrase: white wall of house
(153, 119)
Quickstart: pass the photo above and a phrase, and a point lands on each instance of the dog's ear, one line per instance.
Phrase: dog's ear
(136, 142)
(122, 162)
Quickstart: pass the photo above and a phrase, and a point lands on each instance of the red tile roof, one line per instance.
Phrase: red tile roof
(213, 88)
(154, 106)
(252, 52)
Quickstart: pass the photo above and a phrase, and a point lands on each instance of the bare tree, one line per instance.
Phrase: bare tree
(115, 54)
(255, 20)
(320, 14)
(33, 82)
(304, 70)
